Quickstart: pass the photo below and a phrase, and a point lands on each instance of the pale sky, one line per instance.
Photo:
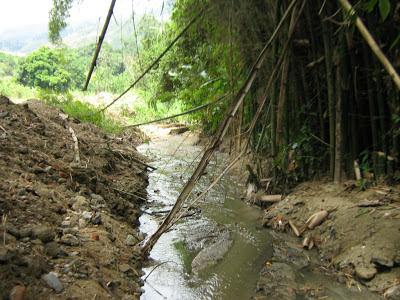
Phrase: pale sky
(20, 13)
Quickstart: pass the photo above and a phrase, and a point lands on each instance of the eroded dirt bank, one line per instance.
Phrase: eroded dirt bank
(69, 228)
(358, 243)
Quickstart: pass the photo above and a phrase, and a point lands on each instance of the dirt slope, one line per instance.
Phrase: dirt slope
(360, 238)
(69, 229)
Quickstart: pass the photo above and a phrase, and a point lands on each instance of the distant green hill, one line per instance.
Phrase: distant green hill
(27, 39)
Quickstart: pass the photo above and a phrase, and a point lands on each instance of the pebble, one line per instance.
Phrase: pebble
(45, 234)
(392, 293)
(96, 219)
(25, 232)
(365, 272)
(18, 292)
(124, 268)
(70, 240)
(383, 261)
(87, 215)
(52, 249)
(53, 282)
(82, 223)
(130, 240)
(66, 223)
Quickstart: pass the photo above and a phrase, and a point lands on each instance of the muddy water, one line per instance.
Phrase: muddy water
(221, 215)
(233, 277)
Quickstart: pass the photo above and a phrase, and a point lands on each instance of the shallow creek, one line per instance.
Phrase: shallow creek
(222, 218)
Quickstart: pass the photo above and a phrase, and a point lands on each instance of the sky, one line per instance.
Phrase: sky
(15, 14)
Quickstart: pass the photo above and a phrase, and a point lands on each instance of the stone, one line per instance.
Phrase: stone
(53, 282)
(365, 272)
(80, 203)
(392, 293)
(5, 255)
(25, 232)
(82, 223)
(131, 240)
(13, 231)
(52, 249)
(66, 223)
(18, 292)
(70, 240)
(87, 215)
(97, 199)
(383, 261)
(43, 233)
(124, 268)
(96, 219)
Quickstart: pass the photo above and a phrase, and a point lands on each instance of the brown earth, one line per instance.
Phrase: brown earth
(359, 240)
(78, 220)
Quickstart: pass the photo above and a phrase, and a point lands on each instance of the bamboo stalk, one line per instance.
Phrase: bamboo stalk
(371, 42)
(216, 140)
(155, 62)
(99, 44)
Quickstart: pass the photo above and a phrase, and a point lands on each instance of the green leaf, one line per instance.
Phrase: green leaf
(370, 5)
(384, 8)
(395, 42)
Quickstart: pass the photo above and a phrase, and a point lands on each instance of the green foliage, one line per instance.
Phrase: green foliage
(9, 87)
(384, 7)
(59, 14)
(46, 69)
(8, 64)
(81, 111)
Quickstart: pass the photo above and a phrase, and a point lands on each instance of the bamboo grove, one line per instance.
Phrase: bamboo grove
(332, 107)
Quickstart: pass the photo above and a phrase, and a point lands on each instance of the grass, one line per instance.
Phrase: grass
(10, 88)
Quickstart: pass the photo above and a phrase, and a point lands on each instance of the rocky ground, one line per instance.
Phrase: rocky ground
(354, 238)
(69, 224)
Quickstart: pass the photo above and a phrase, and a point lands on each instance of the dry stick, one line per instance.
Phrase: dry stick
(216, 140)
(77, 158)
(99, 43)
(371, 42)
(155, 62)
(180, 114)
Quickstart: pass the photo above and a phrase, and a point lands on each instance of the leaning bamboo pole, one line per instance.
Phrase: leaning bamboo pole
(217, 140)
(371, 42)
(99, 44)
(157, 60)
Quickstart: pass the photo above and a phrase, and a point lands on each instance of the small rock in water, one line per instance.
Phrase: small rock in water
(70, 240)
(18, 293)
(45, 234)
(53, 282)
(130, 240)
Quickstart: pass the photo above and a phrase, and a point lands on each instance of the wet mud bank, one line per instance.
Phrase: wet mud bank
(354, 244)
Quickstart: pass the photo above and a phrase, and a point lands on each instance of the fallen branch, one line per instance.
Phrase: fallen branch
(77, 158)
(180, 114)
(2, 128)
(99, 43)
(155, 62)
(217, 139)
(371, 42)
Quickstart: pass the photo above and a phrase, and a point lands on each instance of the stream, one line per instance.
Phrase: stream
(233, 277)
(218, 250)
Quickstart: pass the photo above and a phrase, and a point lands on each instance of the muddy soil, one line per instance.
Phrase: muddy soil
(69, 228)
(357, 244)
